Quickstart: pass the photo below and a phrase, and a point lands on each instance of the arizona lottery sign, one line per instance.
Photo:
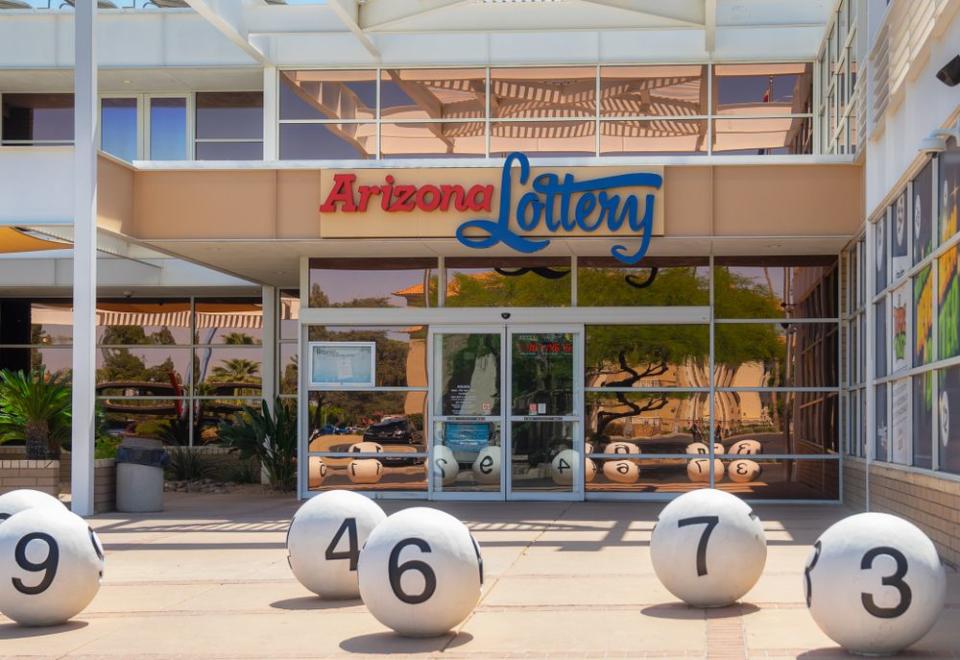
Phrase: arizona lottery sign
(518, 206)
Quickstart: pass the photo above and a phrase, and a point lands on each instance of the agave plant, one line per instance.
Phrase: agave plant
(35, 409)
(268, 436)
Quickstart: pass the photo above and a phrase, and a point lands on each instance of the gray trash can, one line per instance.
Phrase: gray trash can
(140, 463)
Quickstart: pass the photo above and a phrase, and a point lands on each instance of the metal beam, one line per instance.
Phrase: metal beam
(347, 11)
(232, 27)
(710, 26)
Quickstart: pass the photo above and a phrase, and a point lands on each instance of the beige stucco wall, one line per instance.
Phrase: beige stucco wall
(114, 194)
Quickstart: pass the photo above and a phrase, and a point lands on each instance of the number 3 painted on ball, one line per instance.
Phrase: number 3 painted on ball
(895, 580)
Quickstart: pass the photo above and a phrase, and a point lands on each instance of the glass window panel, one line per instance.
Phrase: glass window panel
(166, 420)
(373, 282)
(229, 151)
(367, 474)
(229, 115)
(118, 127)
(948, 192)
(540, 92)
(762, 89)
(235, 321)
(922, 225)
(465, 440)
(776, 354)
(901, 425)
(797, 479)
(432, 93)
(782, 422)
(949, 311)
(53, 360)
(328, 94)
(923, 420)
(168, 128)
(210, 413)
(229, 371)
(328, 141)
(778, 287)
(764, 136)
(647, 356)
(508, 282)
(923, 317)
(603, 282)
(657, 422)
(881, 432)
(289, 315)
(856, 349)
(542, 373)
(288, 368)
(881, 253)
(36, 322)
(880, 338)
(555, 138)
(899, 237)
(394, 420)
(646, 475)
(143, 322)
(664, 137)
(433, 140)
(37, 117)
(949, 417)
(401, 356)
(144, 371)
(470, 373)
(662, 91)
(535, 444)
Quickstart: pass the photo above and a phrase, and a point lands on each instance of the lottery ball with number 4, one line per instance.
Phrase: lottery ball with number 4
(708, 548)
(874, 583)
(421, 572)
(51, 564)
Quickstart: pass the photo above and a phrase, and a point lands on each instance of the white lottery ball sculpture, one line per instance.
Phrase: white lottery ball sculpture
(874, 583)
(421, 572)
(708, 548)
(486, 466)
(324, 541)
(445, 466)
(563, 467)
(19, 500)
(51, 563)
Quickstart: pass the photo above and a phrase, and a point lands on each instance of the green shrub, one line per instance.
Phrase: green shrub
(35, 409)
(187, 465)
(106, 447)
(270, 437)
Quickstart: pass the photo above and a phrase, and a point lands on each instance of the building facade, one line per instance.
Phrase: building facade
(501, 250)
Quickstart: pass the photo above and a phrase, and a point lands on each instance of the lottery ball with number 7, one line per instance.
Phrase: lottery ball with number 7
(51, 563)
(421, 572)
(874, 583)
(708, 548)
(324, 541)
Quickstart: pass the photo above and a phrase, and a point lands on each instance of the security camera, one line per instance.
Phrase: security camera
(950, 74)
(936, 142)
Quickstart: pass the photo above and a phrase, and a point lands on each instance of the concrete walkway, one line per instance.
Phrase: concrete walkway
(209, 578)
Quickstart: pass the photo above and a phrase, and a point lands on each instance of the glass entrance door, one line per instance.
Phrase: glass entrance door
(545, 425)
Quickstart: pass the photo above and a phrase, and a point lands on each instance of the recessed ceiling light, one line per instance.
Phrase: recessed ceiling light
(127, 82)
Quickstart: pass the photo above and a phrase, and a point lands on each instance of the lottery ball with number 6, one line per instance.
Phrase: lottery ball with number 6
(421, 572)
(874, 583)
(708, 548)
(324, 541)
(51, 563)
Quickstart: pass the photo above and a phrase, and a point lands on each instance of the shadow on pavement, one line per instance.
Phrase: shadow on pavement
(384, 643)
(16, 631)
(314, 603)
(683, 611)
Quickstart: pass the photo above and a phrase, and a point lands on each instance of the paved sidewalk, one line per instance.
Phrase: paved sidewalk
(209, 579)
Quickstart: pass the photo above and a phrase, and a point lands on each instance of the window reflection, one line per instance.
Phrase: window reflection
(118, 127)
(168, 128)
(782, 422)
(658, 136)
(777, 287)
(656, 422)
(634, 91)
(647, 356)
(535, 446)
(762, 89)
(401, 359)
(469, 374)
(763, 137)
(542, 373)
(604, 282)
(39, 118)
(328, 141)
(776, 355)
(432, 140)
(366, 474)
(555, 138)
(543, 92)
(373, 282)
(334, 94)
(507, 282)
(432, 94)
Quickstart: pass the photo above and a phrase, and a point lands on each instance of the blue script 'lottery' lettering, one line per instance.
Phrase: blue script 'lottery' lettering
(595, 208)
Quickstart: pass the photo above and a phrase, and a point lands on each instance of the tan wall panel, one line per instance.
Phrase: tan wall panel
(114, 195)
(788, 200)
(298, 198)
(217, 204)
(688, 201)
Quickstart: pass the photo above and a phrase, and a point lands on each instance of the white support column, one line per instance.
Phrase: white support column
(84, 256)
(268, 369)
(869, 355)
(271, 150)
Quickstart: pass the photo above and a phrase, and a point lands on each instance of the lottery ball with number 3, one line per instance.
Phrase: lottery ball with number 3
(874, 583)
(708, 548)
(421, 572)
(324, 541)
(51, 563)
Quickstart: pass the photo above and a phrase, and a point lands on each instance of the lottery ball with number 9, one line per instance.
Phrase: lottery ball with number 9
(51, 563)
(19, 500)
(421, 572)
(324, 541)
(708, 548)
(874, 583)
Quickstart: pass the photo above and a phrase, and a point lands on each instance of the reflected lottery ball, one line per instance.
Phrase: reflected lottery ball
(588, 447)
(698, 470)
(708, 548)
(563, 467)
(421, 572)
(365, 471)
(698, 448)
(589, 470)
(318, 471)
(743, 470)
(19, 500)
(746, 447)
(366, 447)
(627, 448)
(324, 541)
(445, 467)
(874, 583)
(621, 472)
(718, 448)
(51, 563)
(486, 466)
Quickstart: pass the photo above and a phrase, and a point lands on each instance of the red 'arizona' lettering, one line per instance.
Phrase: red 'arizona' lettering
(347, 197)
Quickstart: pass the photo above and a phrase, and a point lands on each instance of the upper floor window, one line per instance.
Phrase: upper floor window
(229, 126)
(36, 119)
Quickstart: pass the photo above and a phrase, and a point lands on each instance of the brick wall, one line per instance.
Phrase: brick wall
(104, 485)
(38, 475)
(930, 502)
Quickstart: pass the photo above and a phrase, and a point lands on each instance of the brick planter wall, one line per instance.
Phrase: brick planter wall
(38, 475)
(929, 502)
(104, 485)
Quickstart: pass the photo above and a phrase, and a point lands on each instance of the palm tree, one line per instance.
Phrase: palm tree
(238, 338)
(236, 370)
(36, 410)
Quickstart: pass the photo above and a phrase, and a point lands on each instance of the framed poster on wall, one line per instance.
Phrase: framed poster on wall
(901, 312)
(901, 431)
(899, 238)
(343, 364)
